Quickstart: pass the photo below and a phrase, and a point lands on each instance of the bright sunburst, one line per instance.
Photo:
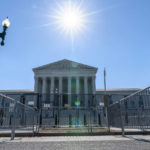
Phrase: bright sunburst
(69, 17)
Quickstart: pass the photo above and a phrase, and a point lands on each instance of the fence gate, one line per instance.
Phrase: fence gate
(131, 112)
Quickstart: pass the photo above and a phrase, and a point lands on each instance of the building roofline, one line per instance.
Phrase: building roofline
(26, 90)
(43, 66)
(121, 89)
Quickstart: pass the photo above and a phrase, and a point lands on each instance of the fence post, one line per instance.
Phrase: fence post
(88, 120)
(106, 105)
(33, 121)
(107, 119)
(13, 117)
(38, 119)
(139, 118)
(121, 120)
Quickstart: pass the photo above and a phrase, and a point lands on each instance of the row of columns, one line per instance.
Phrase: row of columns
(60, 90)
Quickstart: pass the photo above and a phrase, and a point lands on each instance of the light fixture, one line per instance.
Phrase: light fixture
(5, 24)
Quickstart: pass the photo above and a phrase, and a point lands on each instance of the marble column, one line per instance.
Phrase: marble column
(77, 87)
(69, 91)
(93, 91)
(60, 91)
(60, 85)
(36, 89)
(44, 85)
(93, 85)
(36, 86)
(85, 85)
(52, 85)
(44, 88)
(52, 89)
(94, 98)
(86, 91)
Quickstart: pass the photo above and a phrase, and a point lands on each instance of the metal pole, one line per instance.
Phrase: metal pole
(105, 80)
(39, 114)
(106, 107)
(88, 121)
(33, 121)
(13, 122)
(121, 119)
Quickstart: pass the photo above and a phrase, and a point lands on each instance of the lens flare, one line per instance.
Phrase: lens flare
(69, 17)
(77, 104)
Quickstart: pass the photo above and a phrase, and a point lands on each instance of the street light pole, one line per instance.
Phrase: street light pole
(5, 24)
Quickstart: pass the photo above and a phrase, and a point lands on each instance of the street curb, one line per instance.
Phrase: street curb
(72, 134)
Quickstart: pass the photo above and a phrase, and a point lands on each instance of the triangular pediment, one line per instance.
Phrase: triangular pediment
(64, 65)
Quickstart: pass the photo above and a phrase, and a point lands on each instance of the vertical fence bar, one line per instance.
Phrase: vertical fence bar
(33, 121)
(38, 120)
(90, 119)
(121, 120)
(108, 119)
(13, 120)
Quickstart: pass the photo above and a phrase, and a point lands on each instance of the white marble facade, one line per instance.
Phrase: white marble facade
(65, 77)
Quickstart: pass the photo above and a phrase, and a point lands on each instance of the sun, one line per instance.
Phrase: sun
(69, 18)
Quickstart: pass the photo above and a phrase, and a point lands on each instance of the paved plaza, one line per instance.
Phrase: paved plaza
(77, 143)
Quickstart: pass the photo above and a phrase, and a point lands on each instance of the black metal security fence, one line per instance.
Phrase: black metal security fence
(131, 112)
(69, 111)
(54, 110)
(16, 116)
(30, 111)
(74, 110)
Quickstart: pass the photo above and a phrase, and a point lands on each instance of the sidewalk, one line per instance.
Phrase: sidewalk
(76, 143)
(76, 138)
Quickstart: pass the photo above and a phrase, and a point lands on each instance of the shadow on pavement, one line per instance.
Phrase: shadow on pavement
(136, 139)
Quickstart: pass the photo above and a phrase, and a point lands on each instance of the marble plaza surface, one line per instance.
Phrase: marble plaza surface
(76, 138)
(77, 143)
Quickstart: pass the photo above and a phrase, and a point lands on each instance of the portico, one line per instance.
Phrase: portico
(65, 77)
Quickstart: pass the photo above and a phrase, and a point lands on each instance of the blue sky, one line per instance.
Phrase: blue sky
(118, 38)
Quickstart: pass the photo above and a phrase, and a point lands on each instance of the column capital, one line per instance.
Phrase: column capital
(35, 77)
(44, 78)
(51, 77)
(85, 78)
(69, 77)
(93, 77)
(77, 77)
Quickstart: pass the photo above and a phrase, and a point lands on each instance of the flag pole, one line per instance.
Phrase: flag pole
(106, 101)
(105, 80)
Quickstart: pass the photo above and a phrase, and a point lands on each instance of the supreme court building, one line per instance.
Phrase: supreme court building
(71, 86)
(65, 77)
